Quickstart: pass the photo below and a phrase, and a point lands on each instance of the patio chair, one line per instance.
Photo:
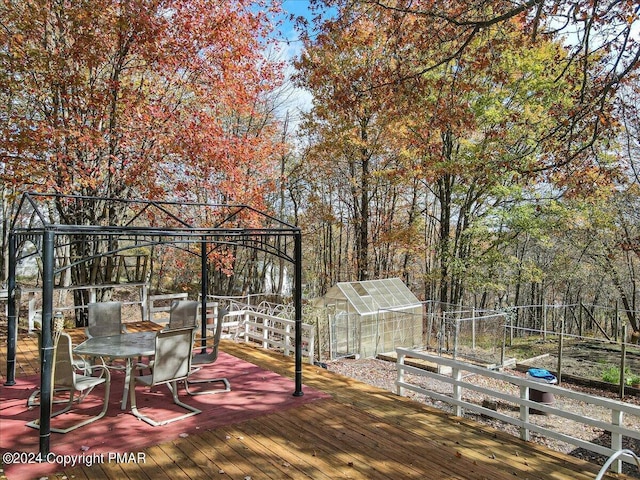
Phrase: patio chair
(200, 360)
(65, 378)
(172, 363)
(104, 319)
(79, 365)
(183, 313)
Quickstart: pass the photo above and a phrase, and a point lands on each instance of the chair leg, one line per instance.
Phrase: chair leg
(223, 381)
(107, 388)
(173, 388)
(34, 400)
(105, 406)
(174, 392)
(67, 407)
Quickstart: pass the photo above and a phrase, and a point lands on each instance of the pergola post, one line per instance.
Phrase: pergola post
(12, 327)
(298, 307)
(46, 353)
(204, 291)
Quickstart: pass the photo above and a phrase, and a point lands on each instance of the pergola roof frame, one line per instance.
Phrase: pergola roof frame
(229, 229)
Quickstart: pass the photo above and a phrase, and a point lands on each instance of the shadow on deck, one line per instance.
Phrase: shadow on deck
(353, 431)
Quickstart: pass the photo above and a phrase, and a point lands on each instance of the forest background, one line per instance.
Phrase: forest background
(485, 152)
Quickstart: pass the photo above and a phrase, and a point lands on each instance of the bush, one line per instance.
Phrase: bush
(612, 375)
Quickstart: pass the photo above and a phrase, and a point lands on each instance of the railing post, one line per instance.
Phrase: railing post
(441, 333)
(623, 360)
(287, 339)
(150, 314)
(144, 302)
(265, 332)
(560, 348)
(32, 312)
(616, 438)
(400, 372)
(429, 323)
(456, 374)
(524, 413)
(246, 327)
(312, 344)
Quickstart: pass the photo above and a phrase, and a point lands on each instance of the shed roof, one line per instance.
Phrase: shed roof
(371, 296)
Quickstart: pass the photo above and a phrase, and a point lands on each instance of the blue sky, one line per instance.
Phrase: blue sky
(300, 99)
(297, 8)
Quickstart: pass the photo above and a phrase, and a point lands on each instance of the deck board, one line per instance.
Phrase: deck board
(361, 432)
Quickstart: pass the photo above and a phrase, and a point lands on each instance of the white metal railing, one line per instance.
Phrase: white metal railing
(455, 377)
(4, 298)
(613, 458)
(273, 332)
(270, 331)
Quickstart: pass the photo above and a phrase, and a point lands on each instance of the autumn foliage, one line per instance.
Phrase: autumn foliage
(137, 98)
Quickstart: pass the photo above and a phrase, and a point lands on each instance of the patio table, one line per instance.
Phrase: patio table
(126, 346)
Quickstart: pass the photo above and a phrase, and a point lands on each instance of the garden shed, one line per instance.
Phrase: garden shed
(370, 317)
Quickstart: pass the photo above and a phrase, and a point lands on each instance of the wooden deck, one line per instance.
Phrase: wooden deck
(362, 432)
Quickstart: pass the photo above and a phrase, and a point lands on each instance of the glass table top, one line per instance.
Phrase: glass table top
(125, 345)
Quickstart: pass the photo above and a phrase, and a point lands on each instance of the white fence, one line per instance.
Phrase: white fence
(273, 332)
(456, 378)
(269, 331)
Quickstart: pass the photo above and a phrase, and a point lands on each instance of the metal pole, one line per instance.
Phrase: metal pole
(298, 306)
(623, 360)
(473, 328)
(503, 352)
(204, 290)
(560, 347)
(12, 327)
(46, 354)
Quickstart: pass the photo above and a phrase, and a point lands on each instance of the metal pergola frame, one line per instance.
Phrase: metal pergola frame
(149, 223)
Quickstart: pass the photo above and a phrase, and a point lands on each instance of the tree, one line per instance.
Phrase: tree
(599, 37)
(143, 98)
(468, 131)
(487, 137)
(350, 126)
